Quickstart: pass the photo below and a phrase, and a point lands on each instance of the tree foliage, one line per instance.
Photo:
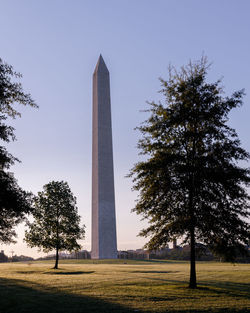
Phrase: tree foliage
(193, 183)
(56, 224)
(14, 202)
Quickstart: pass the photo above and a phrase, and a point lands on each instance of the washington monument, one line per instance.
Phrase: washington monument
(104, 244)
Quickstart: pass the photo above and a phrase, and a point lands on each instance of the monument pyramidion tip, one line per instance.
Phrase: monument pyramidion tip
(101, 66)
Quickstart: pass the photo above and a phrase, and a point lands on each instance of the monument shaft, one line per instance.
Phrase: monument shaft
(104, 245)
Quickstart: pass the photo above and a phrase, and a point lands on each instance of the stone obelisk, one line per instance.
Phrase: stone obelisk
(104, 244)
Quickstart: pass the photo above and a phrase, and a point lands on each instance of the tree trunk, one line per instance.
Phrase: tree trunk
(192, 281)
(57, 238)
(57, 258)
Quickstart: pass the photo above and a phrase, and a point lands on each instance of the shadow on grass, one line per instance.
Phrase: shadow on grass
(26, 272)
(19, 296)
(163, 261)
(154, 272)
(29, 297)
(56, 273)
(68, 273)
(232, 289)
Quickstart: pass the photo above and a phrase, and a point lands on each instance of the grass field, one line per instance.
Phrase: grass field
(134, 286)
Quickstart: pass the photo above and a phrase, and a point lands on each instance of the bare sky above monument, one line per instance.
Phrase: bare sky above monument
(55, 45)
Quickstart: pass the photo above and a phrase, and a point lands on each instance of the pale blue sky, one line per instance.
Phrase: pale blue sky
(55, 44)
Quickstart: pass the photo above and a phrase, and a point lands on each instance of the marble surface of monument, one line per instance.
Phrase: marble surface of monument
(104, 242)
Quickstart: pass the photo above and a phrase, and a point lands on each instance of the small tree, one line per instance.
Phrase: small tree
(56, 224)
(192, 185)
(14, 202)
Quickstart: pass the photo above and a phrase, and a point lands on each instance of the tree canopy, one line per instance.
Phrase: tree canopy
(56, 224)
(192, 184)
(14, 202)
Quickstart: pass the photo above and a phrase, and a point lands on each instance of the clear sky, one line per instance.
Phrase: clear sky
(55, 44)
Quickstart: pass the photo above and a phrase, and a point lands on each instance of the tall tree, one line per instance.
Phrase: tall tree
(14, 202)
(193, 183)
(56, 224)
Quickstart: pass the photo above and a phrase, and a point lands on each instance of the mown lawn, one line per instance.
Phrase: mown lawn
(123, 286)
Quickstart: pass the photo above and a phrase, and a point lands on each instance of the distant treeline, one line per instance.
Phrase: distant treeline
(179, 253)
(14, 258)
(63, 256)
(201, 255)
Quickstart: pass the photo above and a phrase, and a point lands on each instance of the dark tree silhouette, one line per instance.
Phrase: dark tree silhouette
(192, 185)
(56, 224)
(14, 202)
